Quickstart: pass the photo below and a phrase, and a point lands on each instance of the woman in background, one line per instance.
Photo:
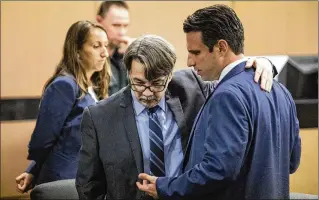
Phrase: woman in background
(81, 78)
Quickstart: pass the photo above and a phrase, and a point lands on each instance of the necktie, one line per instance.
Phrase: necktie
(157, 166)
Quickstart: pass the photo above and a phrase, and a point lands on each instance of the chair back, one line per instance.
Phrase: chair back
(62, 189)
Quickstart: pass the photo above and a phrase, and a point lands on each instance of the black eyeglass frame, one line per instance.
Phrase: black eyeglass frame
(133, 86)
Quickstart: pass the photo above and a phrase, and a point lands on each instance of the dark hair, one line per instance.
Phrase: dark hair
(215, 23)
(105, 6)
(76, 36)
(154, 52)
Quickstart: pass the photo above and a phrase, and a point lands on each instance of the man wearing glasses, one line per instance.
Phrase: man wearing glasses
(142, 128)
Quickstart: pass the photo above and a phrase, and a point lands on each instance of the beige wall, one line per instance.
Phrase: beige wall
(305, 179)
(14, 140)
(270, 27)
(284, 27)
(32, 35)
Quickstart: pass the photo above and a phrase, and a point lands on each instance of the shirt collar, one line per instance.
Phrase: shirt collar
(229, 67)
(139, 108)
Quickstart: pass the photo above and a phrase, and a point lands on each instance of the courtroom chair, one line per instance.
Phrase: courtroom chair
(62, 189)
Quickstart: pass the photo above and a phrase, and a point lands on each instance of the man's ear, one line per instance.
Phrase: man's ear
(99, 18)
(222, 46)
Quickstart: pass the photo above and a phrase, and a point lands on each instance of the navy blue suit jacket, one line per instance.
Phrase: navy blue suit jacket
(244, 144)
(56, 140)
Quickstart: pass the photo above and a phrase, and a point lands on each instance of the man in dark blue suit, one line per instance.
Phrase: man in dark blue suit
(244, 142)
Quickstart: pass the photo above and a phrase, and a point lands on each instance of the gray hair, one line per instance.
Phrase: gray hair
(154, 52)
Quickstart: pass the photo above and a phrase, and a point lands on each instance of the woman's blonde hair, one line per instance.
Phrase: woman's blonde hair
(76, 36)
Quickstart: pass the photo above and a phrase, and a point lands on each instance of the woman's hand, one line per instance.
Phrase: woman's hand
(24, 182)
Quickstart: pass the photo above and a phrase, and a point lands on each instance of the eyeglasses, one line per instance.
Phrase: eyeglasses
(152, 88)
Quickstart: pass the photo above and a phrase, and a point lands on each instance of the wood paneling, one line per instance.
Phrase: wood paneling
(32, 36)
(279, 27)
(305, 179)
(15, 137)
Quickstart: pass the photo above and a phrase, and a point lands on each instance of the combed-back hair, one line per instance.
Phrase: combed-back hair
(215, 23)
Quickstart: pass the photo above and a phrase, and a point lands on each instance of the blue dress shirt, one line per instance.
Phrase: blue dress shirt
(173, 153)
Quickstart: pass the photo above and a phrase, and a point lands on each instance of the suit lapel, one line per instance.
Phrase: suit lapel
(176, 108)
(129, 122)
(236, 70)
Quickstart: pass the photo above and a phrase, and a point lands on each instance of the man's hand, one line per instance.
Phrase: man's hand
(263, 70)
(125, 41)
(149, 184)
(24, 181)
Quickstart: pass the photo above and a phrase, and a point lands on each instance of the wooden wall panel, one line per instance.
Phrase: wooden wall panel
(305, 179)
(32, 36)
(15, 137)
(279, 27)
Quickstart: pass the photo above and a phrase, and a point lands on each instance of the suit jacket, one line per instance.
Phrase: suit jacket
(119, 73)
(56, 139)
(111, 156)
(244, 144)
